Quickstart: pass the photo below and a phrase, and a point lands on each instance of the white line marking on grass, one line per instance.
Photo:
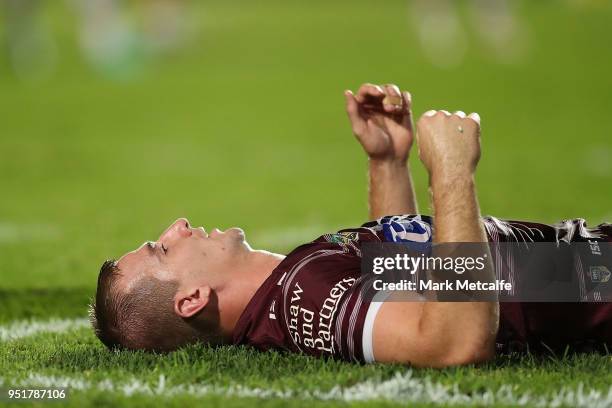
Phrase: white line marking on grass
(403, 387)
(26, 328)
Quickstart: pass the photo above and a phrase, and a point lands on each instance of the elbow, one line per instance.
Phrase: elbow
(469, 351)
(469, 356)
(464, 351)
(471, 344)
(438, 343)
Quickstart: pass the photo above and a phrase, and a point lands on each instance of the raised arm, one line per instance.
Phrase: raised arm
(382, 122)
(449, 147)
(439, 334)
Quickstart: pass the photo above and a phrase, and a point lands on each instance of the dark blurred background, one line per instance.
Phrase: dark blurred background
(117, 117)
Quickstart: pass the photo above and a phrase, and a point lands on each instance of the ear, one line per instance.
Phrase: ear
(187, 305)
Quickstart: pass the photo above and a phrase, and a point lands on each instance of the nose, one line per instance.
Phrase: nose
(179, 228)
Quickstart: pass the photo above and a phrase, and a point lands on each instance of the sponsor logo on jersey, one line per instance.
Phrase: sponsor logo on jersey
(272, 315)
(594, 245)
(599, 274)
(342, 237)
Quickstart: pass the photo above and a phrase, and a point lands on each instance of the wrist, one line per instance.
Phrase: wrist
(388, 163)
(451, 179)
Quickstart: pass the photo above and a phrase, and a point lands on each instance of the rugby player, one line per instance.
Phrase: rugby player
(191, 285)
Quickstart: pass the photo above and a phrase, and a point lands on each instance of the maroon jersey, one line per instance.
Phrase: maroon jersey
(313, 301)
(555, 325)
(316, 301)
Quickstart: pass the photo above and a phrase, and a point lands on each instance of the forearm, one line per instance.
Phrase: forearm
(456, 210)
(472, 325)
(390, 189)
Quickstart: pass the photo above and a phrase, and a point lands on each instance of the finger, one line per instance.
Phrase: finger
(475, 117)
(392, 90)
(369, 90)
(430, 113)
(394, 126)
(461, 114)
(351, 104)
(446, 113)
(393, 99)
(352, 109)
(407, 97)
(407, 117)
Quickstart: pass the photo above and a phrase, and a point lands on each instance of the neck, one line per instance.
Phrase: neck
(238, 291)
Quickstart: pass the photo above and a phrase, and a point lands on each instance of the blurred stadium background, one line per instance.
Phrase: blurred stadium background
(117, 117)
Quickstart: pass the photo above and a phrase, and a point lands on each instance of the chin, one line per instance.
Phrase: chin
(239, 235)
(237, 231)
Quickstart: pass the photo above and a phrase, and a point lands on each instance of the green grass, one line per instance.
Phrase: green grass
(245, 126)
(79, 356)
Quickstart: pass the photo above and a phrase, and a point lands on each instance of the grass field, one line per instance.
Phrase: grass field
(245, 126)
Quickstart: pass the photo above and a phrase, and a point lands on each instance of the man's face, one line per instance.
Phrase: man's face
(190, 256)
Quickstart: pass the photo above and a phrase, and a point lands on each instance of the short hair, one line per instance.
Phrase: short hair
(144, 318)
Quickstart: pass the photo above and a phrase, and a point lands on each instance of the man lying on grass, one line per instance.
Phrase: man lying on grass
(212, 287)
